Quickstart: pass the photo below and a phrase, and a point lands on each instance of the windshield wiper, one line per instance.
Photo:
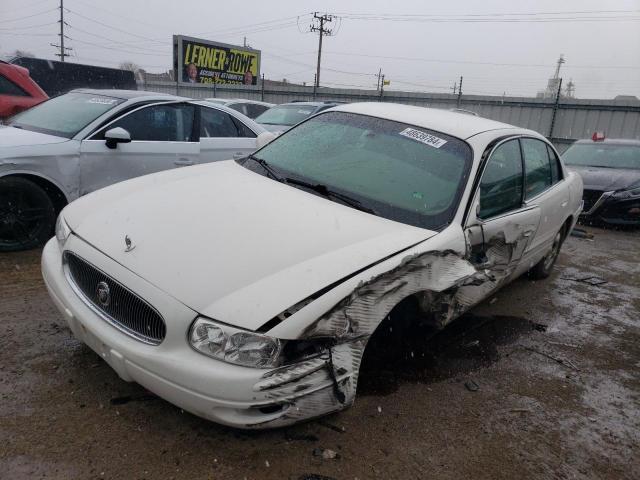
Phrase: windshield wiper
(326, 192)
(267, 168)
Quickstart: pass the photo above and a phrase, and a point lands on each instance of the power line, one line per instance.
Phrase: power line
(29, 5)
(28, 16)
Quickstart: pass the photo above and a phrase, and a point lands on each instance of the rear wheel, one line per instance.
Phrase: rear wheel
(27, 215)
(544, 266)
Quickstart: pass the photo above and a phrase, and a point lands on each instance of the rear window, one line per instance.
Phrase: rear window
(603, 155)
(286, 114)
(7, 87)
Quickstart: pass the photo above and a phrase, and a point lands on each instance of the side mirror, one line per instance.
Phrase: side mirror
(264, 138)
(115, 136)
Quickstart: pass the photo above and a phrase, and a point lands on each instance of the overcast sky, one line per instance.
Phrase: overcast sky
(508, 54)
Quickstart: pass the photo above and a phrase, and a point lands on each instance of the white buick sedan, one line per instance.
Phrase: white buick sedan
(246, 291)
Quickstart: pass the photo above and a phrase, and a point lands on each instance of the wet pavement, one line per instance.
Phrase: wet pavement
(540, 381)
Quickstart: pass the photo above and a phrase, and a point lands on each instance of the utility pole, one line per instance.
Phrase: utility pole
(262, 88)
(63, 50)
(455, 86)
(381, 87)
(322, 19)
(555, 109)
(315, 85)
(459, 92)
(379, 75)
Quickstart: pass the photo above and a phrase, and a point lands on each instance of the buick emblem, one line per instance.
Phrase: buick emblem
(103, 294)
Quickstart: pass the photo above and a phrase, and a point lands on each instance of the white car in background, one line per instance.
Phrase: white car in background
(84, 140)
(250, 108)
(246, 291)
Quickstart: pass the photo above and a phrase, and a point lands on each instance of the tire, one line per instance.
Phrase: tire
(27, 215)
(544, 267)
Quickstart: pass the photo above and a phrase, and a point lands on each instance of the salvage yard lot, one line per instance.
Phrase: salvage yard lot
(542, 381)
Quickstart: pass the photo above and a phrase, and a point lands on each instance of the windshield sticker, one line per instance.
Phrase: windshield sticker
(423, 137)
(304, 112)
(102, 101)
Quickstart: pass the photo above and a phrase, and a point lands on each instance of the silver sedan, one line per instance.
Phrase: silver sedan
(87, 139)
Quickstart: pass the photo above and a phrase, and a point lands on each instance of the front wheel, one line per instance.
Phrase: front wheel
(544, 266)
(27, 215)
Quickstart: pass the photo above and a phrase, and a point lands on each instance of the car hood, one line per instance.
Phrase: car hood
(606, 179)
(230, 243)
(17, 137)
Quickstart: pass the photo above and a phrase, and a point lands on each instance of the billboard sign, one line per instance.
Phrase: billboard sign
(202, 61)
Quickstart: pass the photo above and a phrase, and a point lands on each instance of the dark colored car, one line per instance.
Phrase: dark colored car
(57, 78)
(610, 170)
(282, 117)
(18, 91)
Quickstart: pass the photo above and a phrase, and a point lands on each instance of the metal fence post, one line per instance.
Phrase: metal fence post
(555, 110)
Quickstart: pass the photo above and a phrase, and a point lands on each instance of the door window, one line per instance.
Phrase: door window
(556, 171)
(253, 109)
(216, 123)
(159, 123)
(7, 87)
(537, 167)
(501, 184)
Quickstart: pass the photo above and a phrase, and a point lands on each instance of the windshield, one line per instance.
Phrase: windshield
(216, 100)
(403, 173)
(285, 114)
(603, 155)
(65, 115)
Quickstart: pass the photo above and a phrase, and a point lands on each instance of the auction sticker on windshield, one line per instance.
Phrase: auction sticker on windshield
(423, 137)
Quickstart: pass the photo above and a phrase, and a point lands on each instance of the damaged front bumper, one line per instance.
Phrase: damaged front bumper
(612, 209)
(229, 394)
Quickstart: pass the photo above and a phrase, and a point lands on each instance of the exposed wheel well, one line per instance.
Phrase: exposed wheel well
(55, 194)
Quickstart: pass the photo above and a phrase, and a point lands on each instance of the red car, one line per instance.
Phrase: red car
(18, 91)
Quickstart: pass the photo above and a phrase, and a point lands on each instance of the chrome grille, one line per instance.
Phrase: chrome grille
(118, 305)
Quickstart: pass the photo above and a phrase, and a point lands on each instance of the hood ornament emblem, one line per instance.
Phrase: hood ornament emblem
(128, 243)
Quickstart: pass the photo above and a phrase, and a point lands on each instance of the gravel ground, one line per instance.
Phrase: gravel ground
(541, 381)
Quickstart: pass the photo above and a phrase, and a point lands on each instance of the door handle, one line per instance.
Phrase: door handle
(239, 155)
(183, 162)
(564, 204)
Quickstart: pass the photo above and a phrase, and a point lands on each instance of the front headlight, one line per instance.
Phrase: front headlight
(630, 193)
(233, 345)
(62, 230)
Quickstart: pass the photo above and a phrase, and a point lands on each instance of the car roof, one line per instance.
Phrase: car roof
(610, 141)
(311, 104)
(127, 94)
(237, 100)
(461, 125)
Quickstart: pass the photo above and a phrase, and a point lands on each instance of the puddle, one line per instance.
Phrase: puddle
(423, 355)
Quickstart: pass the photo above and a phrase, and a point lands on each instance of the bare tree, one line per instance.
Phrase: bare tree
(22, 53)
(132, 67)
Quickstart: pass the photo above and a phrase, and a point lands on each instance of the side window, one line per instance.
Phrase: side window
(239, 107)
(253, 110)
(216, 123)
(7, 87)
(243, 130)
(537, 168)
(501, 184)
(160, 123)
(556, 171)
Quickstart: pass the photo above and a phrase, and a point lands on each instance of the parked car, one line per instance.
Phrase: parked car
(18, 91)
(245, 291)
(250, 108)
(282, 117)
(56, 78)
(610, 170)
(76, 143)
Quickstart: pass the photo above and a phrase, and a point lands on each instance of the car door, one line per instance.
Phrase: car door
(162, 137)
(500, 225)
(544, 189)
(224, 136)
